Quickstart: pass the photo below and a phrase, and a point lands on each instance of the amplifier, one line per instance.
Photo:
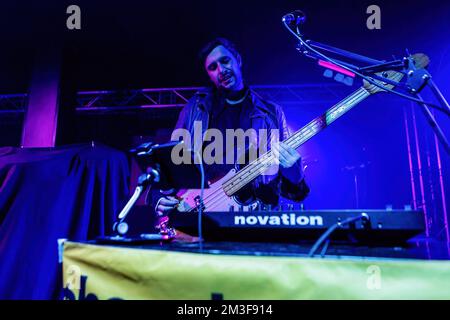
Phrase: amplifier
(382, 226)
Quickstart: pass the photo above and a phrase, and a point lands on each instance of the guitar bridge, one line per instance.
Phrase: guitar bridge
(199, 203)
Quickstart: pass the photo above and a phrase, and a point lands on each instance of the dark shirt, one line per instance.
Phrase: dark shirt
(226, 116)
(259, 114)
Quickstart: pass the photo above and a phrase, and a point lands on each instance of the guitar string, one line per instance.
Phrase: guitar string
(302, 134)
(231, 189)
(263, 161)
(219, 197)
(360, 95)
(260, 164)
(310, 124)
(294, 141)
(355, 96)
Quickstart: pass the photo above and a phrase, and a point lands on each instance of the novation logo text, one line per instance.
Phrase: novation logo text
(281, 220)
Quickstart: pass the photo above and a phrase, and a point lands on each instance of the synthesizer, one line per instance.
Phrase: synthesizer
(380, 226)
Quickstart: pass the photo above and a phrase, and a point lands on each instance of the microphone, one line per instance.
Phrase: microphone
(294, 18)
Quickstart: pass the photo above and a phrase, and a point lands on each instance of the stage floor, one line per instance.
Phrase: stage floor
(415, 249)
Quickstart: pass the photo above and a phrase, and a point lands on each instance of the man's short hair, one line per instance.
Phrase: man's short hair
(210, 46)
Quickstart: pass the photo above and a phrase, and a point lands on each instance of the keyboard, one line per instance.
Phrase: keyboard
(382, 226)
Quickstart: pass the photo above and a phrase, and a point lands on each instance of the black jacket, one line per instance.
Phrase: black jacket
(262, 115)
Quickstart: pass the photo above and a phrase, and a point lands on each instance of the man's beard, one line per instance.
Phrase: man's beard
(227, 79)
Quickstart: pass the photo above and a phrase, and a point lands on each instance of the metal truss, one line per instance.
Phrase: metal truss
(133, 99)
(104, 101)
(126, 100)
(118, 101)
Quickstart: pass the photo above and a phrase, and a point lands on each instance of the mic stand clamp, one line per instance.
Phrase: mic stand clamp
(120, 227)
(417, 79)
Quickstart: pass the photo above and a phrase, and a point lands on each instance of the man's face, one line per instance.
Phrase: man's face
(224, 69)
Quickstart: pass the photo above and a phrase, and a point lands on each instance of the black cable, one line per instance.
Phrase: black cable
(324, 248)
(200, 207)
(368, 79)
(331, 229)
(322, 238)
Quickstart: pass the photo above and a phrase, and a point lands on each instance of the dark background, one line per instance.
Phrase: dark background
(139, 44)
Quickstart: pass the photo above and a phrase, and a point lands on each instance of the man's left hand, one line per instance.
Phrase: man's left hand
(285, 155)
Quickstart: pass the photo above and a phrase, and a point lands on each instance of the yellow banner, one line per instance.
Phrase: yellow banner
(106, 272)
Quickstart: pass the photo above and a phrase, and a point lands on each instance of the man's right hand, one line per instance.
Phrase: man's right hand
(165, 205)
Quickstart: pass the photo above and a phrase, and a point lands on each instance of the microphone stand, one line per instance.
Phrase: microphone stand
(417, 78)
(145, 180)
(434, 125)
(120, 227)
(438, 94)
(343, 53)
